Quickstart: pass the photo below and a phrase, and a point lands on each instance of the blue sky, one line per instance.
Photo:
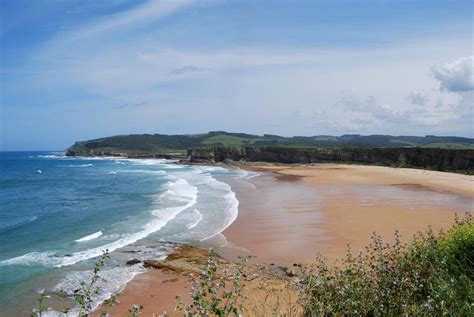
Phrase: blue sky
(78, 69)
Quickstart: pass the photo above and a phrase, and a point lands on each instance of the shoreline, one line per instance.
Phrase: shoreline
(262, 230)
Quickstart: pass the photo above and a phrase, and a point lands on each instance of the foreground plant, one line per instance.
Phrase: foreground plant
(210, 295)
(431, 276)
(84, 295)
(42, 308)
(135, 310)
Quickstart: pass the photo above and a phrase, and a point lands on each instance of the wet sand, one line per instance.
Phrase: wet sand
(298, 211)
(288, 214)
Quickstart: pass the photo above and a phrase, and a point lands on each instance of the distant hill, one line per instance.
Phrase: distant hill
(154, 144)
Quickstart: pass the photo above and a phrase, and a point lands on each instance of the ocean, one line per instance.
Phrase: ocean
(58, 213)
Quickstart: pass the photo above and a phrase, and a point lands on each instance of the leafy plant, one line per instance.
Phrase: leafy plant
(42, 308)
(211, 295)
(135, 310)
(84, 295)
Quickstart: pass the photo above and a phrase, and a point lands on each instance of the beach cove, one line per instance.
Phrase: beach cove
(289, 213)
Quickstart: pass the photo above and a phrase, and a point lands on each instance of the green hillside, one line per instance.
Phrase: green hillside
(167, 144)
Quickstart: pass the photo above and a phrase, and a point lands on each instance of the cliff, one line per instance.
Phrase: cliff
(427, 158)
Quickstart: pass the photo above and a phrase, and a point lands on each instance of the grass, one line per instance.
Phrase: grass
(447, 145)
(229, 140)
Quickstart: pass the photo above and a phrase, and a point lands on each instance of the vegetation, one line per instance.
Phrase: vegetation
(163, 144)
(432, 275)
(211, 296)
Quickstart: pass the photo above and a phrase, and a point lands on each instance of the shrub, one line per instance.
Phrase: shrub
(431, 275)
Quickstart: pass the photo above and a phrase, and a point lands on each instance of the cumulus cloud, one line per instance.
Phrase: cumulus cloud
(451, 104)
(456, 76)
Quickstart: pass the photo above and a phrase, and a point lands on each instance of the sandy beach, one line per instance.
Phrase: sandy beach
(298, 211)
(289, 213)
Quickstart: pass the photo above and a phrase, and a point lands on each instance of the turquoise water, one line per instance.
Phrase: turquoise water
(58, 213)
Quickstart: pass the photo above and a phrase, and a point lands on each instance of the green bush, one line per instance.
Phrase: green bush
(431, 275)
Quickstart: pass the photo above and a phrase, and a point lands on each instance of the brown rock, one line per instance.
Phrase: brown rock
(290, 272)
(154, 264)
(133, 261)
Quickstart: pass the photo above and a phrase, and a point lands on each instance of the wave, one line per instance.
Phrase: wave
(231, 210)
(228, 203)
(81, 165)
(177, 191)
(54, 155)
(166, 163)
(89, 237)
(179, 194)
(253, 175)
(245, 176)
(148, 161)
(144, 171)
(195, 223)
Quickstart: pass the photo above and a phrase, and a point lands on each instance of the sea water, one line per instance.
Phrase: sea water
(58, 214)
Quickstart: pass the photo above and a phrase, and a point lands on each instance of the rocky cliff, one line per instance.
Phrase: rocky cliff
(429, 158)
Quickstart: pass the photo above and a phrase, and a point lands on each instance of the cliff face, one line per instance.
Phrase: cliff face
(435, 159)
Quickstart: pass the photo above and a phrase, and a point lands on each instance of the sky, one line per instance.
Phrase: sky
(74, 70)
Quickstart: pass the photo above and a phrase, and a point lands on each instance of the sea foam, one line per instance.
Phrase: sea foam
(89, 237)
(197, 221)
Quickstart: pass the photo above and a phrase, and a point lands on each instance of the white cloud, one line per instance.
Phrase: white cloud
(457, 75)
(453, 101)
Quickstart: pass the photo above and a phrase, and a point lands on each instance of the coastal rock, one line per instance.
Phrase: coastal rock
(154, 264)
(290, 272)
(185, 259)
(133, 261)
